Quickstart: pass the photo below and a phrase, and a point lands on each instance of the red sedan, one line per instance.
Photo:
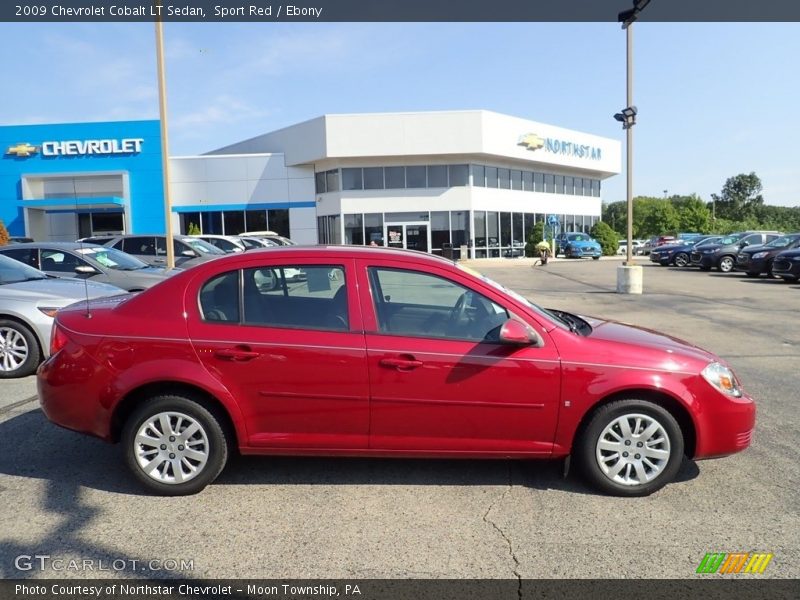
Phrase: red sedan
(379, 352)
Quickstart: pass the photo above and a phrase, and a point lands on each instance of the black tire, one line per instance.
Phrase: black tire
(751, 274)
(726, 264)
(770, 274)
(214, 443)
(22, 343)
(586, 448)
(681, 259)
(595, 258)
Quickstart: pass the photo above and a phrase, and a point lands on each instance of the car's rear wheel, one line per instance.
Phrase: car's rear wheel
(595, 258)
(681, 259)
(630, 448)
(726, 264)
(174, 445)
(19, 350)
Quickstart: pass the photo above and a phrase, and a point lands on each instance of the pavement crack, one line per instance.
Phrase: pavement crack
(502, 533)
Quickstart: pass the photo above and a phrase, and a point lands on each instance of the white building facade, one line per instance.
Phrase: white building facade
(431, 181)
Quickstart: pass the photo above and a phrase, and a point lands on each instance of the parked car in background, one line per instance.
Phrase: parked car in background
(152, 249)
(679, 254)
(722, 254)
(87, 261)
(755, 260)
(578, 245)
(380, 352)
(622, 246)
(100, 240)
(787, 265)
(227, 243)
(656, 241)
(272, 236)
(256, 243)
(29, 300)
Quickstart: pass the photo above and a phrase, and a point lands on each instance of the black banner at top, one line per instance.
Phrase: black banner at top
(266, 11)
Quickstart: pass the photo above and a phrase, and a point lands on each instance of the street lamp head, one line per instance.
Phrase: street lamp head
(626, 17)
(629, 112)
(627, 116)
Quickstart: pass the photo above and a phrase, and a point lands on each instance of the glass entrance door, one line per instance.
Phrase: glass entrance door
(410, 236)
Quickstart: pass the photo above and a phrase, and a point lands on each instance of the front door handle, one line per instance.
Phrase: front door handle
(239, 354)
(401, 363)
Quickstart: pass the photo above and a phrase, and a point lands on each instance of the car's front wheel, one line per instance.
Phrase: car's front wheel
(19, 350)
(726, 264)
(174, 445)
(681, 259)
(630, 448)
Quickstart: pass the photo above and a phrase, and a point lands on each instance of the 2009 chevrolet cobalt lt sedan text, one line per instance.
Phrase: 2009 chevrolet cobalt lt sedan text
(379, 352)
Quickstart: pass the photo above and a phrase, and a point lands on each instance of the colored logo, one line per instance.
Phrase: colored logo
(734, 562)
(22, 150)
(531, 141)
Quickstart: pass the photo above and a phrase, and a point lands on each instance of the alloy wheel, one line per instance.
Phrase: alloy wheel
(726, 264)
(633, 449)
(681, 259)
(13, 349)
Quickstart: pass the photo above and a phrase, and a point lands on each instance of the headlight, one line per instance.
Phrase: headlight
(722, 378)
(760, 254)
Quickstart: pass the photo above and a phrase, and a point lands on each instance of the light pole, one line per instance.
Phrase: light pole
(629, 276)
(162, 110)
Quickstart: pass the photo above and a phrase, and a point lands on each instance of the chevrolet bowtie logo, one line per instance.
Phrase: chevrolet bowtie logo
(531, 141)
(22, 150)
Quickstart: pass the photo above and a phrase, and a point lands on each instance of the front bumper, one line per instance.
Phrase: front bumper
(784, 267)
(575, 252)
(724, 425)
(744, 262)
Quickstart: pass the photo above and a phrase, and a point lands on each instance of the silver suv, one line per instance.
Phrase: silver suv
(152, 249)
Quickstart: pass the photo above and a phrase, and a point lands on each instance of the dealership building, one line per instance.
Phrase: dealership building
(423, 180)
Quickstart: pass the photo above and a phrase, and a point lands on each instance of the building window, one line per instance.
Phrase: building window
(493, 234)
(352, 180)
(437, 176)
(353, 229)
(527, 181)
(440, 230)
(395, 177)
(568, 185)
(373, 178)
(478, 175)
(459, 224)
(505, 229)
(559, 179)
(459, 175)
(332, 180)
(578, 186)
(234, 222)
(373, 228)
(516, 180)
(504, 179)
(319, 180)
(596, 188)
(415, 177)
(212, 222)
(491, 177)
(480, 230)
(278, 221)
(549, 184)
(255, 220)
(188, 219)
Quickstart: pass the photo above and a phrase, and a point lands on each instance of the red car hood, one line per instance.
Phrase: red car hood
(681, 352)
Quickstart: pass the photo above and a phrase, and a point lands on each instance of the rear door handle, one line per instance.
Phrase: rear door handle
(236, 354)
(401, 364)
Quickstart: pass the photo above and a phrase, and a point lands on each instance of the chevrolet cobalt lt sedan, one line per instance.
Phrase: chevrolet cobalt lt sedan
(379, 352)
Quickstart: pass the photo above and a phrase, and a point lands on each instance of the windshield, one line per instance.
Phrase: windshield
(579, 237)
(704, 241)
(203, 247)
(517, 296)
(783, 241)
(12, 271)
(112, 258)
(730, 239)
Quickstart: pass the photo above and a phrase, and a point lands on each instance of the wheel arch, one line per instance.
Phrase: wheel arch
(125, 407)
(662, 399)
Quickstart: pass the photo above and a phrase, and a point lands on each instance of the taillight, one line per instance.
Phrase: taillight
(58, 339)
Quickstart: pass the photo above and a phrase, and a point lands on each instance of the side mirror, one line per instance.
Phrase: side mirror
(743, 244)
(189, 253)
(516, 333)
(86, 270)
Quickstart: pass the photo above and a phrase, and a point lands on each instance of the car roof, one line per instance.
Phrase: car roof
(343, 252)
(58, 245)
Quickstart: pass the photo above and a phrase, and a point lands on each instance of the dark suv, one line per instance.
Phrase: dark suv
(755, 260)
(722, 255)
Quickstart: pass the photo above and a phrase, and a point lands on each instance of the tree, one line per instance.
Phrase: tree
(739, 197)
(693, 214)
(607, 237)
(660, 218)
(3, 234)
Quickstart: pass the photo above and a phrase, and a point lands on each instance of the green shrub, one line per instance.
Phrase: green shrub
(606, 237)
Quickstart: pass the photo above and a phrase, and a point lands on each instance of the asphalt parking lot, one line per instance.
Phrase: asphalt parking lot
(68, 496)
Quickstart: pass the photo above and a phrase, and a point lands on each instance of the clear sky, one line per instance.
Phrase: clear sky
(714, 99)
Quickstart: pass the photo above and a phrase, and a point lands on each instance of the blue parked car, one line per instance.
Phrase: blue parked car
(578, 245)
